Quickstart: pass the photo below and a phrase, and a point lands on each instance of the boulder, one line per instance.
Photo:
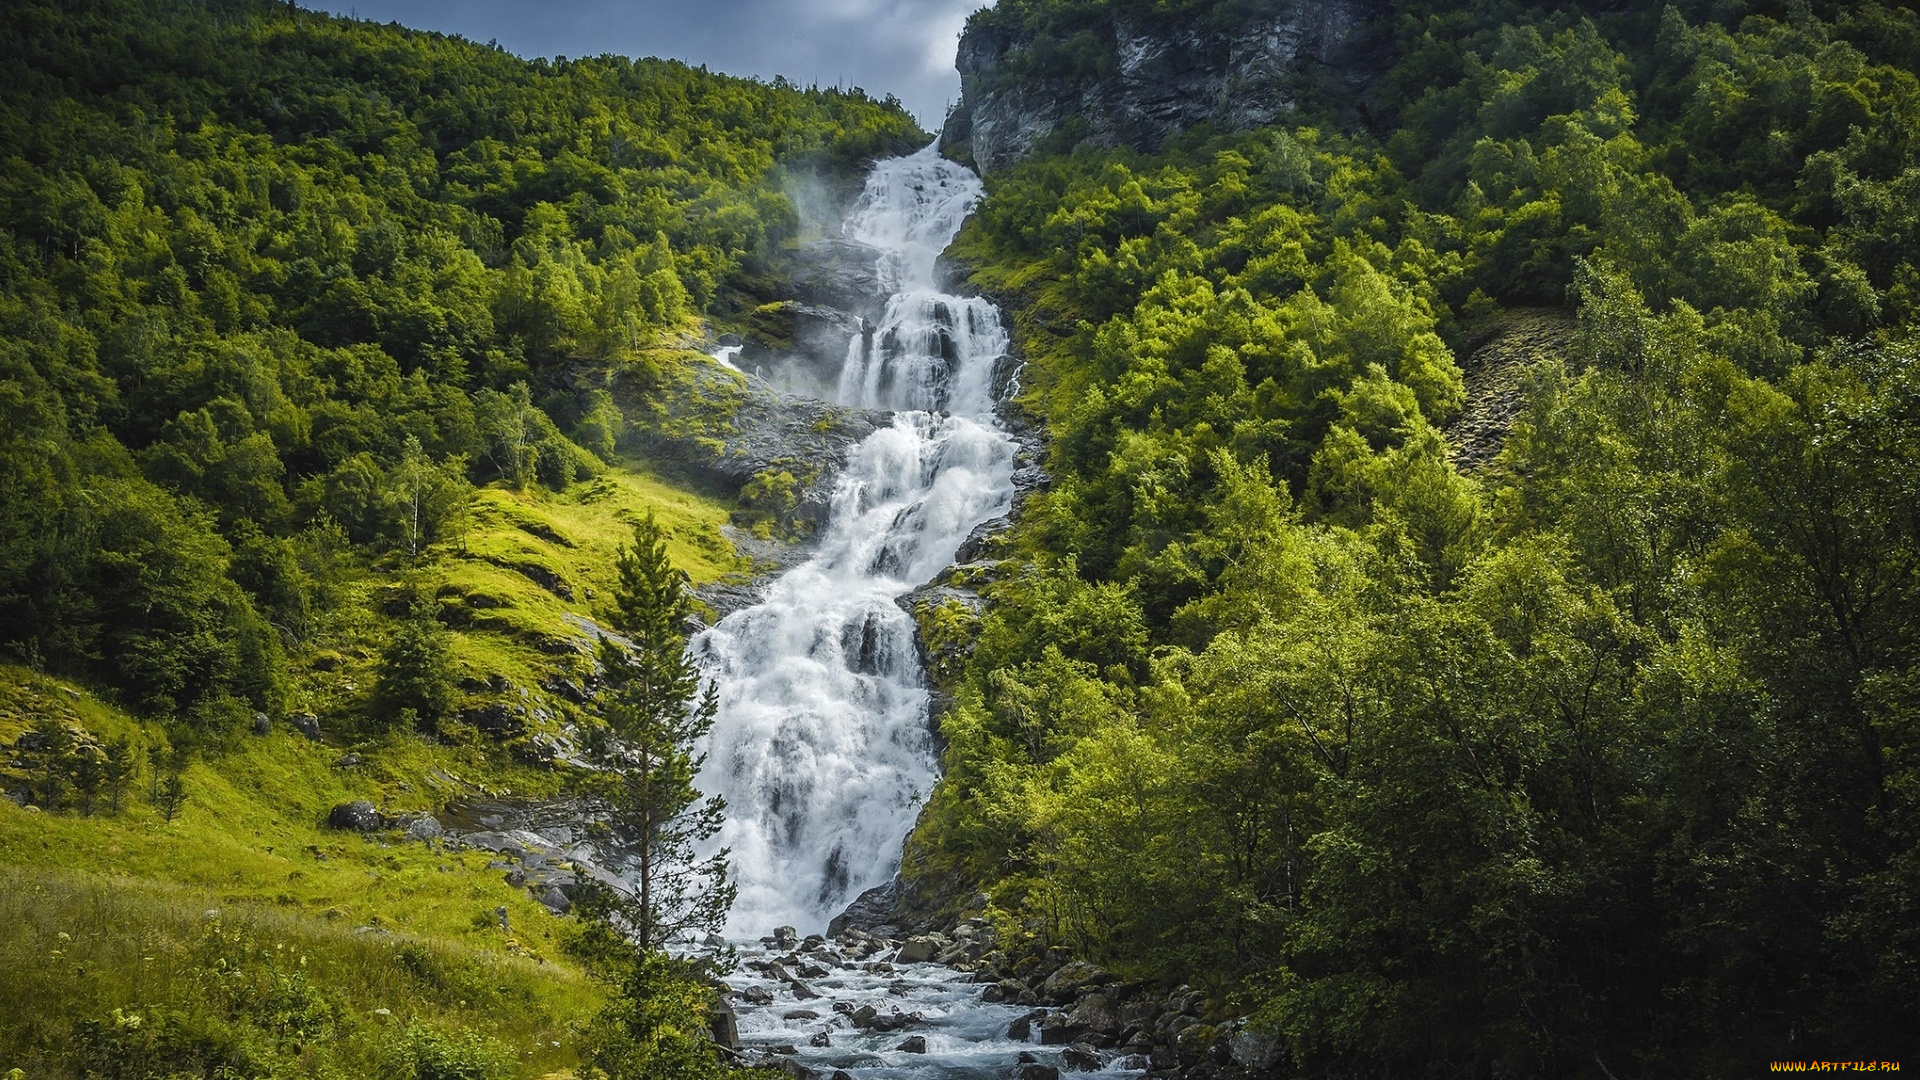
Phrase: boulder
(874, 908)
(1037, 1071)
(262, 723)
(1251, 1050)
(306, 724)
(358, 816)
(757, 995)
(1097, 1015)
(1055, 1031)
(724, 1024)
(556, 901)
(422, 827)
(1081, 1057)
(820, 1040)
(791, 1067)
(1073, 977)
(919, 950)
(913, 1044)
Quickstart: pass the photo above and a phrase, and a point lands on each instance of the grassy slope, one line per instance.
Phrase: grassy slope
(250, 839)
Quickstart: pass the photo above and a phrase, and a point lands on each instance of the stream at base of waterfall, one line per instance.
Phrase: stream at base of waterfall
(821, 746)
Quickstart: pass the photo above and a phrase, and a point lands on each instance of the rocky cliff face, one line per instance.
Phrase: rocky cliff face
(1155, 80)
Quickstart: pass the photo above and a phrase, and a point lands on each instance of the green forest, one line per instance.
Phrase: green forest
(1591, 749)
(327, 355)
(1595, 759)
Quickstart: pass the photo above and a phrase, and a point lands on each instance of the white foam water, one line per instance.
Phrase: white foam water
(821, 746)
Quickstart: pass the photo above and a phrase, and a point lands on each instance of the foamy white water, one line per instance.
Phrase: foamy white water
(821, 747)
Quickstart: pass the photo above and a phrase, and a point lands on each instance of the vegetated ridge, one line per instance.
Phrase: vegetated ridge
(1347, 714)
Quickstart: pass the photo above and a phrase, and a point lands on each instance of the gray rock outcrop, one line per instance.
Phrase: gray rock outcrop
(1157, 79)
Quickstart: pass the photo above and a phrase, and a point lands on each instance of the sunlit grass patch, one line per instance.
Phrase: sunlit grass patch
(122, 977)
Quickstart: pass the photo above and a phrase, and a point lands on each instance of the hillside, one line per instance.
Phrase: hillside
(337, 363)
(1469, 627)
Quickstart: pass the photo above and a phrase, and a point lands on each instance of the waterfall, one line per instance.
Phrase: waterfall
(821, 746)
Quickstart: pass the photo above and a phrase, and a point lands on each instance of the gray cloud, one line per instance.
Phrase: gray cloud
(899, 47)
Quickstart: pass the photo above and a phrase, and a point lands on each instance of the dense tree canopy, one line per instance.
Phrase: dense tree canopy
(1597, 760)
(276, 288)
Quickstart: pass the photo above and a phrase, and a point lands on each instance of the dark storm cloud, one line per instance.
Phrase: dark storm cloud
(899, 47)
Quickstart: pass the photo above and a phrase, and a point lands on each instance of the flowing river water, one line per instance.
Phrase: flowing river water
(821, 746)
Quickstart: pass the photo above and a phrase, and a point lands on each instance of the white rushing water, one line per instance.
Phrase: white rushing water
(821, 747)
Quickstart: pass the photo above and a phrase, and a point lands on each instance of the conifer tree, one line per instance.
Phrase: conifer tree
(655, 712)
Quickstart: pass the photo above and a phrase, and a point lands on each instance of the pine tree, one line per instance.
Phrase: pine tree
(644, 746)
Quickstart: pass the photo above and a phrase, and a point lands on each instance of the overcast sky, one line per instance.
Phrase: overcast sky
(899, 47)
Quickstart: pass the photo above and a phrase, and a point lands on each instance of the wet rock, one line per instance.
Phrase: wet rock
(919, 950)
(800, 348)
(1055, 1031)
(802, 991)
(1080, 1057)
(1037, 1071)
(820, 1040)
(874, 908)
(358, 816)
(724, 1024)
(790, 1066)
(1022, 1029)
(757, 995)
(768, 431)
(800, 1014)
(839, 273)
(913, 1044)
(784, 937)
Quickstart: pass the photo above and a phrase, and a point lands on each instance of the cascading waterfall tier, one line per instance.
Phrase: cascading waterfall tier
(821, 747)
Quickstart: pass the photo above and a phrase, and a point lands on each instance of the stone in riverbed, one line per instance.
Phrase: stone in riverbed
(1096, 1015)
(820, 1040)
(913, 1044)
(1081, 1058)
(757, 995)
(919, 950)
(1037, 1071)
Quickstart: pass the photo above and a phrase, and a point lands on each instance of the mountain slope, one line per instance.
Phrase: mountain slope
(1594, 760)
